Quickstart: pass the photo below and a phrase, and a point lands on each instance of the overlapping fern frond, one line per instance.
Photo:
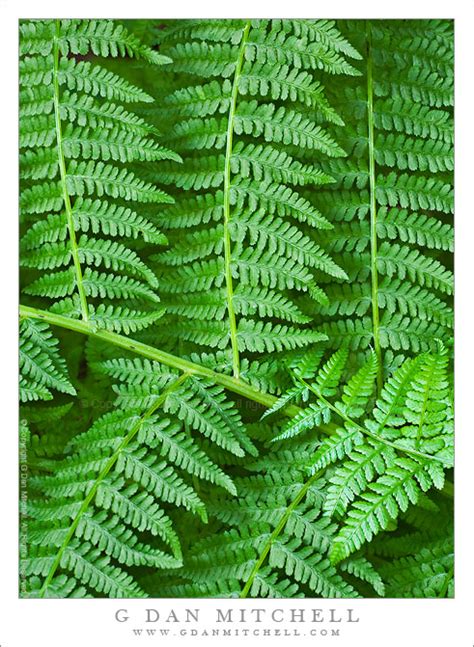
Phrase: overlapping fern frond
(419, 562)
(302, 518)
(105, 509)
(392, 199)
(41, 366)
(383, 464)
(296, 560)
(243, 240)
(236, 249)
(80, 203)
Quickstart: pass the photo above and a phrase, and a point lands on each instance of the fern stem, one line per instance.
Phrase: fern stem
(227, 382)
(365, 431)
(102, 474)
(227, 184)
(63, 174)
(373, 213)
(277, 530)
(184, 365)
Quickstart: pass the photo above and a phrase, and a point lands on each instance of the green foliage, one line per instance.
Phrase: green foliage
(111, 491)
(401, 450)
(400, 151)
(41, 366)
(298, 564)
(75, 148)
(240, 135)
(420, 562)
(236, 322)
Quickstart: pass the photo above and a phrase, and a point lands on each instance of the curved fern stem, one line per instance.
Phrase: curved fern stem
(63, 174)
(227, 248)
(102, 474)
(364, 430)
(277, 530)
(373, 213)
(184, 365)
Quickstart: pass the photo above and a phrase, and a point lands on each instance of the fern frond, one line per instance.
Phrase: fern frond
(360, 567)
(41, 366)
(395, 490)
(118, 475)
(429, 573)
(393, 197)
(73, 147)
(297, 554)
(243, 136)
(401, 450)
(254, 206)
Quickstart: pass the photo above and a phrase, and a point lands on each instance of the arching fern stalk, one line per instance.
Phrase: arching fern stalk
(243, 241)
(393, 196)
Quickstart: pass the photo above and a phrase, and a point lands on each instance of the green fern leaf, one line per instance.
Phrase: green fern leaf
(41, 366)
(242, 136)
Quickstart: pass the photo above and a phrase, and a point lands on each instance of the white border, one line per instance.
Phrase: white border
(387, 623)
